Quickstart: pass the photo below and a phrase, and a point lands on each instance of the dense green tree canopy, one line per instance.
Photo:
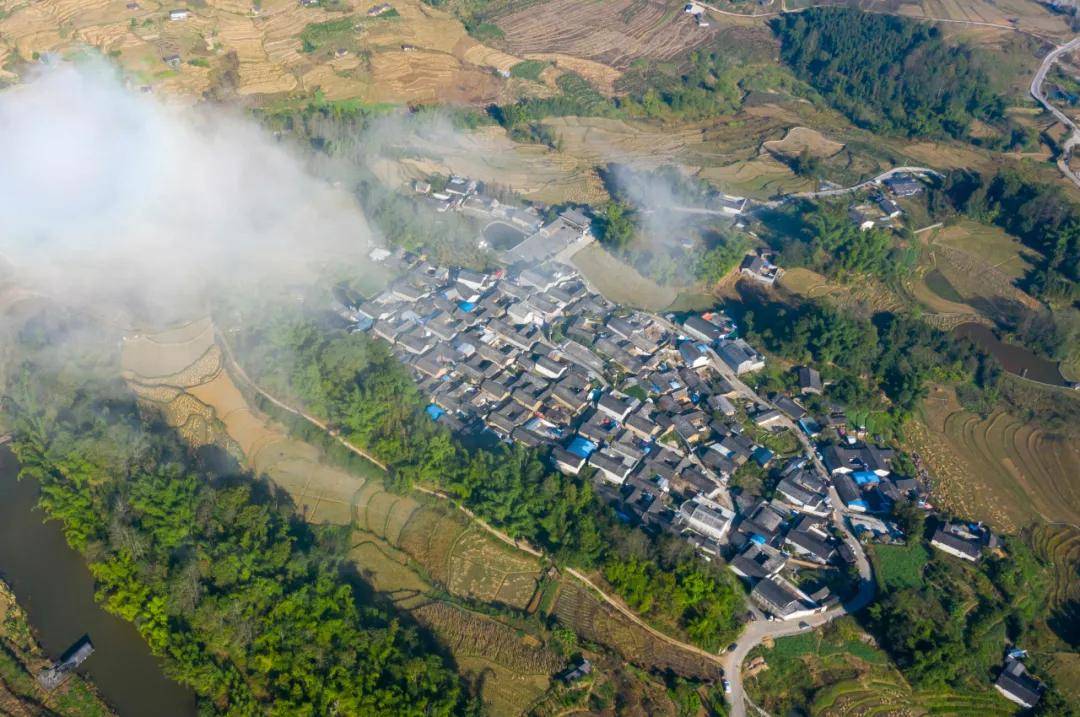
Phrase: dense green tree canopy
(888, 73)
(246, 604)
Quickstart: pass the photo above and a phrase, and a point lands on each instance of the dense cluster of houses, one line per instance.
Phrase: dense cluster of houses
(638, 401)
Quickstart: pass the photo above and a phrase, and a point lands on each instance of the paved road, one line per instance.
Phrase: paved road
(1038, 93)
(759, 630)
(865, 185)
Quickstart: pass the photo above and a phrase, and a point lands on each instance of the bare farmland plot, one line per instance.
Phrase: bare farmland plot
(614, 32)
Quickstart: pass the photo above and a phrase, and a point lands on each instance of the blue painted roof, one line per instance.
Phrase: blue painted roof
(762, 455)
(581, 447)
(865, 477)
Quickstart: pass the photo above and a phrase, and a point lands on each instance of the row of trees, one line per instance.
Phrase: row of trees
(360, 387)
(246, 603)
(888, 73)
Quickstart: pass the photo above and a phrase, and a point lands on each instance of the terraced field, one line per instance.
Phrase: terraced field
(510, 667)
(461, 558)
(620, 282)
(228, 47)
(614, 33)
(998, 468)
(882, 695)
(1059, 545)
(180, 373)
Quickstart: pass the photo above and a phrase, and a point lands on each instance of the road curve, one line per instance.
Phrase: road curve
(758, 630)
(1040, 96)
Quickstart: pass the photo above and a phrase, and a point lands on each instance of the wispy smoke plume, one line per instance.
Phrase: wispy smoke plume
(110, 197)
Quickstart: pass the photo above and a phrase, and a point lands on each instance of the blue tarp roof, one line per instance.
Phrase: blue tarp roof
(466, 306)
(759, 539)
(865, 477)
(762, 455)
(581, 447)
(435, 412)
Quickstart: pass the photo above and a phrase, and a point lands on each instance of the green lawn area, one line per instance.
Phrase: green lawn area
(315, 35)
(900, 566)
(990, 243)
(528, 69)
(620, 282)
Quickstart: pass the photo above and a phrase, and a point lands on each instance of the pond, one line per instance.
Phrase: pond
(1015, 359)
(501, 236)
(51, 581)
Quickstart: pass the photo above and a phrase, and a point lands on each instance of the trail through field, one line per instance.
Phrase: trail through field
(519, 544)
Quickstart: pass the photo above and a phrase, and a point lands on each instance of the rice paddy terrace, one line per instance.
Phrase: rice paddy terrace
(487, 603)
(998, 468)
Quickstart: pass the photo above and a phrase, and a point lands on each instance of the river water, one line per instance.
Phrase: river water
(53, 584)
(1014, 359)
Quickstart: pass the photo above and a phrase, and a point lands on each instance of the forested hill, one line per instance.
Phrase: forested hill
(888, 73)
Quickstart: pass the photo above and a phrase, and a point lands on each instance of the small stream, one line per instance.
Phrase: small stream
(51, 581)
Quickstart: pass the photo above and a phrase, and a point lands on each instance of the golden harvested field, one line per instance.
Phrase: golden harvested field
(997, 469)
(204, 404)
(800, 139)
(619, 282)
(421, 55)
(167, 353)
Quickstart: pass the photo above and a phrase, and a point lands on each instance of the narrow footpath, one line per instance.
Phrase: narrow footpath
(522, 545)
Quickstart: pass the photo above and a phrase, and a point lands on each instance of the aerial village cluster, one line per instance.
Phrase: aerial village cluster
(654, 410)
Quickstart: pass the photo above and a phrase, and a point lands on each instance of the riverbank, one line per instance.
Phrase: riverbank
(55, 592)
(21, 658)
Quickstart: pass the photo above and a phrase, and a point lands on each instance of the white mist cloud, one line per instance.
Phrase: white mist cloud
(107, 195)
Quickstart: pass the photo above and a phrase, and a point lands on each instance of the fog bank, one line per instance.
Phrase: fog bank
(111, 198)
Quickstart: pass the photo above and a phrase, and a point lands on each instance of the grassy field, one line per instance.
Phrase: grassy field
(899, 566)
(621, 283)
(997, 468)
(1000, 250)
